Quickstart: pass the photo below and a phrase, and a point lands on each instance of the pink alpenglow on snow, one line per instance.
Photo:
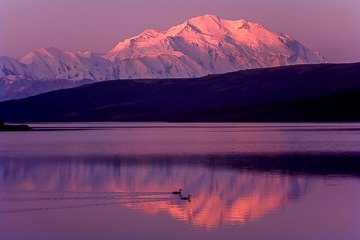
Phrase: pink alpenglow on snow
(197, 47)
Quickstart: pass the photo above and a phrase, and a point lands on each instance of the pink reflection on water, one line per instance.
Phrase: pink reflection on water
(220, 196)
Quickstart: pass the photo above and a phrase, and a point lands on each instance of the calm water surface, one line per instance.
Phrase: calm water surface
(114, 181)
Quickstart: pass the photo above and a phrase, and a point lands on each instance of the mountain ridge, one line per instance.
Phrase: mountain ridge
(320, 92)
(197, 47)
(216, 37)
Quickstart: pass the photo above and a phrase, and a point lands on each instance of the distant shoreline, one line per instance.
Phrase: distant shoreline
(14, 127)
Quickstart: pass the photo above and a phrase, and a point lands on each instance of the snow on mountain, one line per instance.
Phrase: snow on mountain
(53, 63)
(209, 44)
(12, 69)
(197, 47)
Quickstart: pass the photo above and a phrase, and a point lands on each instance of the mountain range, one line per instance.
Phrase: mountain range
(198, 47)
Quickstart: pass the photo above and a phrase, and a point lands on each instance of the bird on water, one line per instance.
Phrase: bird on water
(186, 198)
(177, 192)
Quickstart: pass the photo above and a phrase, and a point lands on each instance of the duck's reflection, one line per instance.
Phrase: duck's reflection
(218, 196)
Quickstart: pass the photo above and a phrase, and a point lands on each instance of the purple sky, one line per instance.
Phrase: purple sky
(331, 27)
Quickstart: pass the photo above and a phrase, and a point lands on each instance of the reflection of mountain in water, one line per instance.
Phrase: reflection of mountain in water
(223, 197)
(220, 196)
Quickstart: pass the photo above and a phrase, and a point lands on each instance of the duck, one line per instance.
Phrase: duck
(177, 192)
(186, 198)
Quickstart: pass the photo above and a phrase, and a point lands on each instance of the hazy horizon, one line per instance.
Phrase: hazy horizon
(328, 27)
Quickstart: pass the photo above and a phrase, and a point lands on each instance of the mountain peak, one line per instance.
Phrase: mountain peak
(204, 24)
(49, 52)
(214, 23)
(207, 18)
(237, 41)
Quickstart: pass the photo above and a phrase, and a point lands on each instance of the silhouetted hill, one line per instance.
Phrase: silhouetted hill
(322, 92)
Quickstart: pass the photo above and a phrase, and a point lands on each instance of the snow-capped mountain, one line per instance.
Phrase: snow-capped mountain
(197, 47)
(209, 44)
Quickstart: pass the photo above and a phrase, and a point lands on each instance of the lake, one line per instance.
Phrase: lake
(246, 180)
